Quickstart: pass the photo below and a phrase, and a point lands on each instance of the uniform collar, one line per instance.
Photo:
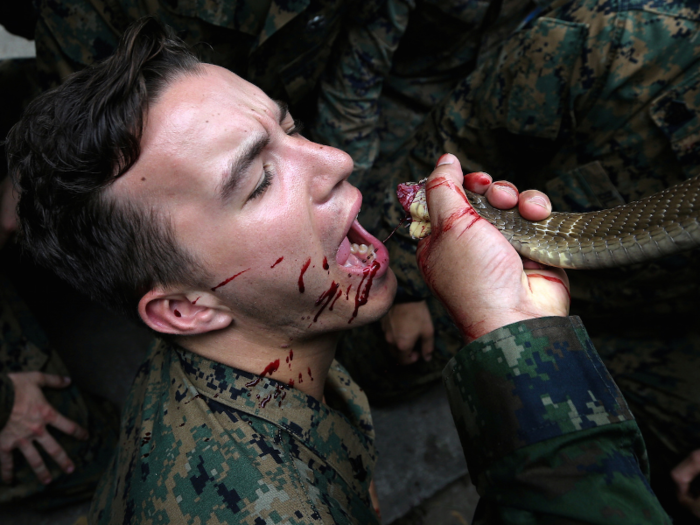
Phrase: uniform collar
(315, 424)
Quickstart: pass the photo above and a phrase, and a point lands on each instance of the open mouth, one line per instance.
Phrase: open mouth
(359, 248)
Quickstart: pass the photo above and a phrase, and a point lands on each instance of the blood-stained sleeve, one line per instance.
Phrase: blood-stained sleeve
(545, 430)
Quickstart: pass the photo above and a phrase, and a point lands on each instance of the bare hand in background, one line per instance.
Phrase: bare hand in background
(31, 413)
(683, 474)
(406, 325)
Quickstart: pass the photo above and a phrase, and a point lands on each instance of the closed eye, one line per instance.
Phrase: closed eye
(264, 184)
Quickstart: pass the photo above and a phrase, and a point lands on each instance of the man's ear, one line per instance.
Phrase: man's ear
(172, 312)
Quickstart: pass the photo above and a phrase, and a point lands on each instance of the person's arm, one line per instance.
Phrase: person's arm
(547, 435)
(348, 102)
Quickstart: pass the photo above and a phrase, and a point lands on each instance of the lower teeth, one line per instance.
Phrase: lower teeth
(362, 253)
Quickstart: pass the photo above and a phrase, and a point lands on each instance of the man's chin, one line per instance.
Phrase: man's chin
(379, 303)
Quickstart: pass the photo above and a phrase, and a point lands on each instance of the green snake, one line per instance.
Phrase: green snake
(662, 224)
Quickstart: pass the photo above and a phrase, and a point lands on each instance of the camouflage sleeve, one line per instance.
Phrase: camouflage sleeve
(7, 399)
(546, 431)
(348, 109)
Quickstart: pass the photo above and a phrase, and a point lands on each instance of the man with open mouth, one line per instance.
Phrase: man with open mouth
(184, 196)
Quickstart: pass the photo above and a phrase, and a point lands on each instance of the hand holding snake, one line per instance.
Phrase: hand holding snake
(473, 270)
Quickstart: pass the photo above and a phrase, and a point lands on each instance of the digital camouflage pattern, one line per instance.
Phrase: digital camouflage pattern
(281, 46)
(202, 442)
(24, 347)
(547, 433)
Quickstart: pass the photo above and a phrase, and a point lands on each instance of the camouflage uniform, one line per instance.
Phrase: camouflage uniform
(547, 434)
(23, 348)
(595, 103)
(203, 442)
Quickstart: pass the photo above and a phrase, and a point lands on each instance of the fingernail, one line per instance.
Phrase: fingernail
(540, 201)
(507, 189)
(445, 159)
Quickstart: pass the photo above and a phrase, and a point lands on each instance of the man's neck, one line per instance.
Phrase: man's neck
(303, 365)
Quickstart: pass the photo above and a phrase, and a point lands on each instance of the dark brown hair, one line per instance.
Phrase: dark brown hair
(72, 143)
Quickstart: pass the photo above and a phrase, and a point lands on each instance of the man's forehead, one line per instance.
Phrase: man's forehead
(212, 95)
(200, 114)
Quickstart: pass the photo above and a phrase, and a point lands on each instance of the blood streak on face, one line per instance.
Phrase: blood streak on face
(301, 378)
(301, 275)
(197, 299)
(325, 298)
(325, 263)
(308, 369)
(222, 283)
(361, 295)
(277, 262)
(340, 292)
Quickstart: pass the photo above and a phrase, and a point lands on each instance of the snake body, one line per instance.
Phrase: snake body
(662, 224)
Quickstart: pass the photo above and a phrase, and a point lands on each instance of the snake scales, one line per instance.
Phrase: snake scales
(662, 224)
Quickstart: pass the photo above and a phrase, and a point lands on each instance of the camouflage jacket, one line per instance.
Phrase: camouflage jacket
(282, 46)
(547, 434)
(596, 103)
(203, 442)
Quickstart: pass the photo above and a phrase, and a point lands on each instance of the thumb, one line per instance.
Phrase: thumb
(445, 195)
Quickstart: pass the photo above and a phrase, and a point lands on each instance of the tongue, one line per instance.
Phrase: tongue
(343, 252)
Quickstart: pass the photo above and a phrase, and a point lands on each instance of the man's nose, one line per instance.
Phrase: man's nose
(330, 167)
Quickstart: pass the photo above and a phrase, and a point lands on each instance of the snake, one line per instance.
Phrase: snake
(662, 224)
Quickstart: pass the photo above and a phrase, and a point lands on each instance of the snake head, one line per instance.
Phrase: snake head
(412, 199)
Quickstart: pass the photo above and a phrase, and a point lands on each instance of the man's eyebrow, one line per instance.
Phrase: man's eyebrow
(240, 163)
(284, 110)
